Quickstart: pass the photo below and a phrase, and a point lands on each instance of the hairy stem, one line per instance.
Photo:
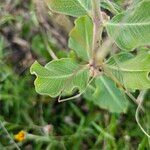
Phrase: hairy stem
(97, 29)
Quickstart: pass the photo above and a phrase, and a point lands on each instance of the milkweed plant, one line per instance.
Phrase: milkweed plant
(111, 55)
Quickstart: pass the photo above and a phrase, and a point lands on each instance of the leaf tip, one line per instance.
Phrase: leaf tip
(33, 66)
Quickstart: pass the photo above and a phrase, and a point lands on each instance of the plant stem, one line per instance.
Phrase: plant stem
(97, 28)
(140, 100)
(52, 54)
(8, 135)
(38, 138)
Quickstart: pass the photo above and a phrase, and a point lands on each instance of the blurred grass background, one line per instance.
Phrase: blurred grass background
(29, 31)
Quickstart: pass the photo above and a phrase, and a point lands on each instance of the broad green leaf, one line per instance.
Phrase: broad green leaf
(132, 28)
(74, 8)
(106, 95)
(117, 58)
(132, 73)
(81, 37)
(58, 76)
(78, 8)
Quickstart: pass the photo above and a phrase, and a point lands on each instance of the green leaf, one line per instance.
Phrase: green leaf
(81, 37)
(117, 58)
(132, 73)
(111, 6)
(74, 8)
(58, 76)
(106, 95)
(78, 8)
(132, 28)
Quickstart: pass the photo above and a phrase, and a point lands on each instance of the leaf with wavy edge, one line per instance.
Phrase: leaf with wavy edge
(133, 73)
(74, 8)
(81, 37)
(58, 76)
(78, 8)
(132, 28)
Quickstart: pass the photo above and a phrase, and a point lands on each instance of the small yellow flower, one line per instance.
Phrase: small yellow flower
(20, 136)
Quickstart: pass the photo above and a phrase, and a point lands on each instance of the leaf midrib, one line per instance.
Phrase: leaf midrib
(57, 77)
(125, 70)
(64, 76)
(128, 24)
(110, 91)
(82, 5)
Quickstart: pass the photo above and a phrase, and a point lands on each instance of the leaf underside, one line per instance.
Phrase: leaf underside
(74, 8)
(59, 76)
(132, 73)
(106, 95)
(131, 29)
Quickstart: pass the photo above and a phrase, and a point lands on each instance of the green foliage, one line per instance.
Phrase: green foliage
(74, 8)
(106, 95)
(111, 6)
(133, 73)
(59, 76)
(64, 75)
(131, 29)
(78, 8)
(81, 37)
(78, 124)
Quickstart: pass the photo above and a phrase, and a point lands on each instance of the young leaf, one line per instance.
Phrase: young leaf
(133, 73)
(58, 76)
(117, 58)
(111, 6)
(74, 8)
(132, 28)
(106, 95)
(81, 37)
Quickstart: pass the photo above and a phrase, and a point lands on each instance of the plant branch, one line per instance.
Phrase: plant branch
(140, 100)
(97, 29)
